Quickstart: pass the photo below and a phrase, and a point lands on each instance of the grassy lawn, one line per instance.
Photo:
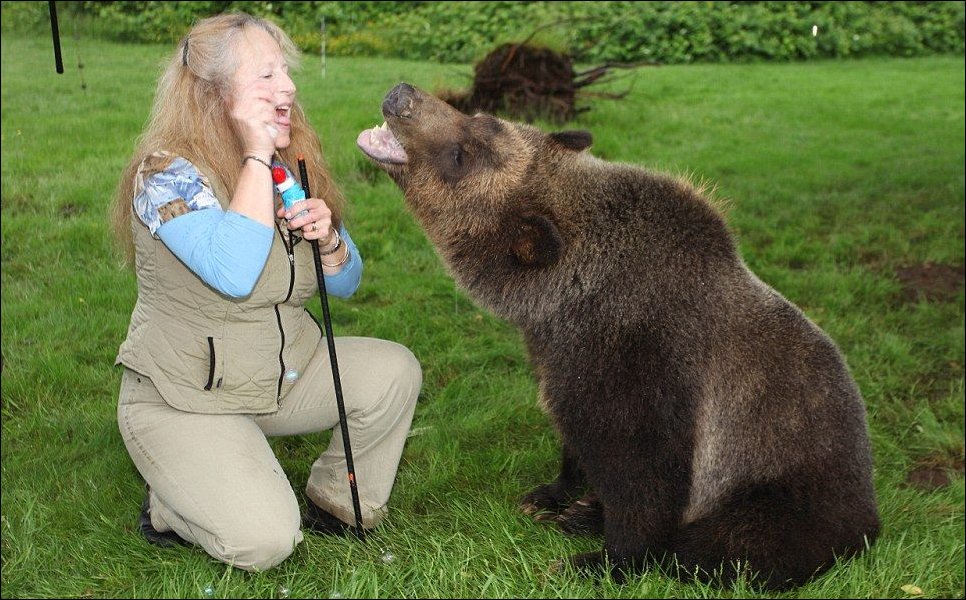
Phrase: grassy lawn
(845, 186)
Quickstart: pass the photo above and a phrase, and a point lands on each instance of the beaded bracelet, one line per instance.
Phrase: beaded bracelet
(338, 244)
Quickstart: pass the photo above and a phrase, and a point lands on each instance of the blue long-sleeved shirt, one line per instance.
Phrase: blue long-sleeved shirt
(226, 249)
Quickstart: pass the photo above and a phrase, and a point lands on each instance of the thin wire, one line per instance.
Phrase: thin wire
(80, 63)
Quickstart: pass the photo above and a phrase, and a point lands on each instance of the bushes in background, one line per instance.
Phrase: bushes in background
(593, 32)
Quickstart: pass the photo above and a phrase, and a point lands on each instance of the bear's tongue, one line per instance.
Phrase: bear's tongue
(380, 144)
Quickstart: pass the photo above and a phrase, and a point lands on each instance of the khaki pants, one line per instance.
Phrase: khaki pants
(216, 482)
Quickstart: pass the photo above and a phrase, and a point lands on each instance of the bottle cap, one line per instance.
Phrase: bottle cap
(279, 175)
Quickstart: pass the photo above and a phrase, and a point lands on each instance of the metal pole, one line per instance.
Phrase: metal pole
(330, 339)
(322, 47)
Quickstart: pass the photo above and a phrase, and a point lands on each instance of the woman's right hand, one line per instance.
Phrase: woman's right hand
(253, 111)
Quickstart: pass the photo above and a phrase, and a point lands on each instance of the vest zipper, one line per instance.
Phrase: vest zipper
(211, 364)
(281, 361)
(290, 250)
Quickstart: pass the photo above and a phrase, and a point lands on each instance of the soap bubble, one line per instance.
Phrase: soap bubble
(387, 557)
(209, 591)
(292, 375)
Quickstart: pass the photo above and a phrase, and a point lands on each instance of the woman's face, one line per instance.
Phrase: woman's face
(262, 76)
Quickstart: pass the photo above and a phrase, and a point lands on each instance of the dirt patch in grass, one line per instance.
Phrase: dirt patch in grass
(935, 471)
(931, 281)
(70, 210)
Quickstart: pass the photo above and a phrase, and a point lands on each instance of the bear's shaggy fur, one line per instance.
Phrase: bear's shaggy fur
(712, 421)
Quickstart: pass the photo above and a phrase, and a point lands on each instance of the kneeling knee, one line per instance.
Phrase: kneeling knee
(259, 550)
(401, 373)
(403, 368)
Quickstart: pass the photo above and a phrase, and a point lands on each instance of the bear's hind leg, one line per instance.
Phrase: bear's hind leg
(779, 536)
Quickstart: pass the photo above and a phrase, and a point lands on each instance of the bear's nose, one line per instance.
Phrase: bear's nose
(399, 101)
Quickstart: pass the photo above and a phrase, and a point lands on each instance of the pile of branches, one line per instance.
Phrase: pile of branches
(527, 82)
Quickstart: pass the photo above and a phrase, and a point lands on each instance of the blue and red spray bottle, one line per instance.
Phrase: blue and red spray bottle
(288, 188)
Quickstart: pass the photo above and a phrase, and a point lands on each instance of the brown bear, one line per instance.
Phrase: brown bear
(718, 429)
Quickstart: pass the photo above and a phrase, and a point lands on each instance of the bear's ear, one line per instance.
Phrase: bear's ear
(573, 140)
(535, 240)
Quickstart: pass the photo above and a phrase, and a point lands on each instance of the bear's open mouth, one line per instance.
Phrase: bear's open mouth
(381, 145)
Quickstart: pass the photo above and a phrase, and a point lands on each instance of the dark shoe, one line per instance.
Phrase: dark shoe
(165, 539)
(321, 521)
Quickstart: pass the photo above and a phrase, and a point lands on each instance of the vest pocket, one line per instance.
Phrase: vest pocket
(215, 364)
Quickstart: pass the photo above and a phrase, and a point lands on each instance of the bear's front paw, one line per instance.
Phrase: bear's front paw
(583, 517)
(544, 502)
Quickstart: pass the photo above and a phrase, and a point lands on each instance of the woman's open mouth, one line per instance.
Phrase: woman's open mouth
(283, 116)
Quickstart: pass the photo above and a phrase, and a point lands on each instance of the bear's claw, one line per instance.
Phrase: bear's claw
(583, 517)
(546, 498)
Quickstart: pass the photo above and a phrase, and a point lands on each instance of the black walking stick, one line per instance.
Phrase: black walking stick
(55, 34)
(327, 320)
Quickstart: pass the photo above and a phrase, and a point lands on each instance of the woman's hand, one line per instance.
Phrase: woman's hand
(316, 224)
(253, 112)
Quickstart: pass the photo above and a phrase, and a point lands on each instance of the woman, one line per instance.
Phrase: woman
(220, 352)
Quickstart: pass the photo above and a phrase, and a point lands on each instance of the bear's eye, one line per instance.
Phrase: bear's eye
(458, 156)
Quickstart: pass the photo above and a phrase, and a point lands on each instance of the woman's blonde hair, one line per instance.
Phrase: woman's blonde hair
(190, 118)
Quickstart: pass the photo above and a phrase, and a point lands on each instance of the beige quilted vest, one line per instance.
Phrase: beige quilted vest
(209, 353)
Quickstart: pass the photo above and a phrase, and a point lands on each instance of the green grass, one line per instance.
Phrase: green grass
(836, 174)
